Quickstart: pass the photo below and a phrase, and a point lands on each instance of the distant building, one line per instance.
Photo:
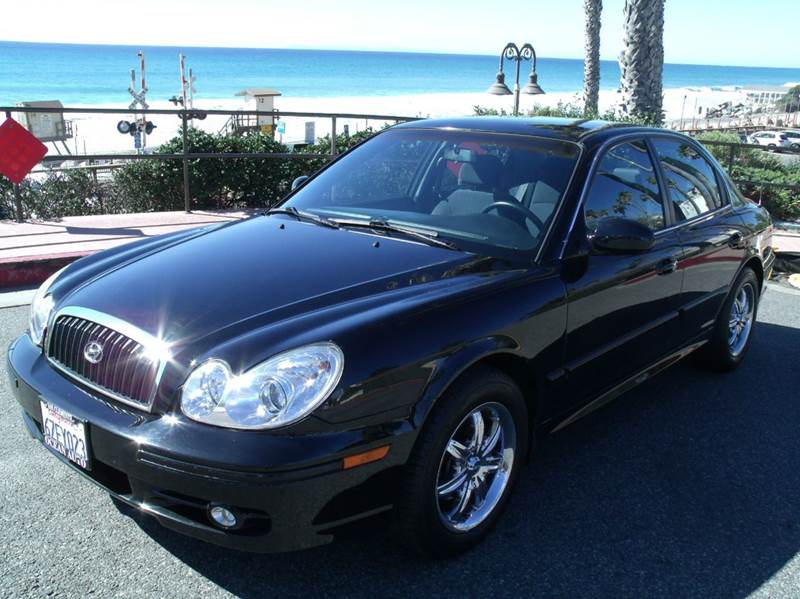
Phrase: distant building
(763, 96)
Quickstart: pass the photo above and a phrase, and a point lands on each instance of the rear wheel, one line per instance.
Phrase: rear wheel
(732, 333)
(459, 477)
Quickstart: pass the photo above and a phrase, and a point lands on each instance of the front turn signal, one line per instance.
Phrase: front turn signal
(366, 457)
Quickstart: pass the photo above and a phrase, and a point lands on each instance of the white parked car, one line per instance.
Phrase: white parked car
(794, 138)
(775, 140)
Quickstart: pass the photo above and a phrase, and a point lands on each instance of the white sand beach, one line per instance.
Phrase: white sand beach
(97, 133)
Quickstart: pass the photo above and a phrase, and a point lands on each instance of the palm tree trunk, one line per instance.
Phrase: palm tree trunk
(591, 61)
(642, 59)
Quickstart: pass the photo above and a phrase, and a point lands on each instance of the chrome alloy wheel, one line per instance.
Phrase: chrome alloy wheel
(741, 318)
(475, 467)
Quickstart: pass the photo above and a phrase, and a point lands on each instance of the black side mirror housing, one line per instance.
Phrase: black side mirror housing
(299, 181)
(621, 236)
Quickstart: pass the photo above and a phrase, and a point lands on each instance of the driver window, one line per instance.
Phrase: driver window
(625, 186)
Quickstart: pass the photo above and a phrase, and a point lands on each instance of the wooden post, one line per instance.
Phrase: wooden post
(18, 202)
(187, 197)
(731, 153)
(17, 191)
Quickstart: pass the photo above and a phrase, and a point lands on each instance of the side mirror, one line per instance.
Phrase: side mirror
(299, 181)
(622, 236)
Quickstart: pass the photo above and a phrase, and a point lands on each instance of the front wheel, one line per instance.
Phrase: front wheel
(733, 329)
(463, 467)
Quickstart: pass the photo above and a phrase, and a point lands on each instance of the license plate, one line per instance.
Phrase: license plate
(65, 434)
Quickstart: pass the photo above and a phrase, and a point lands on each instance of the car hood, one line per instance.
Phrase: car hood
(256, 271)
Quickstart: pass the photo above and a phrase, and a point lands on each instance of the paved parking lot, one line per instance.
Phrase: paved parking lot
(688, 486)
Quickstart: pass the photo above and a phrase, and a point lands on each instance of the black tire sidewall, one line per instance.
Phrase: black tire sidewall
(422, 521)
(719, 348)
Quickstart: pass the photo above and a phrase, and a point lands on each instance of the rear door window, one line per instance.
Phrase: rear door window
(691, 180)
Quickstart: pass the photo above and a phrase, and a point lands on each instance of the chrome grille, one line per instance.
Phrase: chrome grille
(124, 371)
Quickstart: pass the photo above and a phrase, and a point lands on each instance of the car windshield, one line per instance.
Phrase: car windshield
(488, 193)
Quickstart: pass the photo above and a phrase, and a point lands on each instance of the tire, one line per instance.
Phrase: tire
(724, 352)
(427, 518)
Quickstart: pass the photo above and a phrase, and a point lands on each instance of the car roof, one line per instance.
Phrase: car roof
(575, 130)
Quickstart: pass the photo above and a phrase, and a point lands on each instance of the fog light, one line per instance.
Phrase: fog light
(223, 516)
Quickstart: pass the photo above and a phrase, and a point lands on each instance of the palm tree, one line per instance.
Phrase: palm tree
(642, 59)
(791, 101)
(591, 61)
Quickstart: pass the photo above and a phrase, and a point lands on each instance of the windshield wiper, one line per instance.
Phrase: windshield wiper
(380, 224)
(304, 216)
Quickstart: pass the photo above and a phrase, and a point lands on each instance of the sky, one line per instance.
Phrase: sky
(718, 32)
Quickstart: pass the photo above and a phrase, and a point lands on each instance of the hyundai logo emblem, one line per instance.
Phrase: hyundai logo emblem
(93, 352)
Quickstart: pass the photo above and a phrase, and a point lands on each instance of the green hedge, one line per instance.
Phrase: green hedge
(156, 185)
(66, 193)
(758, 165)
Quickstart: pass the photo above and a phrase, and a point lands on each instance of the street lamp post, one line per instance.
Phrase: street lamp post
(518, 55)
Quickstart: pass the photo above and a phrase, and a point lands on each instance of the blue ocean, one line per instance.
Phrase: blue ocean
(92, 74)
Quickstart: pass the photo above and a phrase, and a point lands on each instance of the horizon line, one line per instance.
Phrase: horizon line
(371, 51)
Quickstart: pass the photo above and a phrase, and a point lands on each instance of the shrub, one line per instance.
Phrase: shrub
(568, 110)
(750, 164)
(65, 193)
(221, 183)
(790, 101)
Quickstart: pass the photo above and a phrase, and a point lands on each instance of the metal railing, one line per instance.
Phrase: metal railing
(734, 148)
(185, 155)
(744, 122)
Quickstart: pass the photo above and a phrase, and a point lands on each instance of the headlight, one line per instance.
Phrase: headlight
(41, 307)
(275, 393)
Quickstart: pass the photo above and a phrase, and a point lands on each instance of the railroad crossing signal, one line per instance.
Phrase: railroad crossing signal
(140, 127)
(139, 100)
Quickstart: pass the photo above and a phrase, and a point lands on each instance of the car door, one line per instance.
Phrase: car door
(622, 308)
(709, 229)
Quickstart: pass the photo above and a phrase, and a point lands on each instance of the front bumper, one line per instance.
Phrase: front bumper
(290, 491)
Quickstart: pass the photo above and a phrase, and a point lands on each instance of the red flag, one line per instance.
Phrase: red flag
(20, 151)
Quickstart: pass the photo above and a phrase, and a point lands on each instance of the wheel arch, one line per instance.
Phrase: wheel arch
(754, 263)
(502, 355)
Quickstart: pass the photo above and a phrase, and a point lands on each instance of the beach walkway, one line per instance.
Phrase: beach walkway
(30, 251)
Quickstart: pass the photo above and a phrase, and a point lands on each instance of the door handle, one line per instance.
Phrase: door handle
(735, 240)
(667, 266)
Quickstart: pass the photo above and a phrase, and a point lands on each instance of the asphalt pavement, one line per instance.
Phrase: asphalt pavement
(688, 486)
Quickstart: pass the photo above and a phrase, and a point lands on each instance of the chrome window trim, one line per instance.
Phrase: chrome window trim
(120, 326)
(695, 220)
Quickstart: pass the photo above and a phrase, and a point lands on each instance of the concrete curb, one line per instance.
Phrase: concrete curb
(25, 271)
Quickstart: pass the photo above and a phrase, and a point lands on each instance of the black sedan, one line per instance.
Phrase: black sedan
(396, 334)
